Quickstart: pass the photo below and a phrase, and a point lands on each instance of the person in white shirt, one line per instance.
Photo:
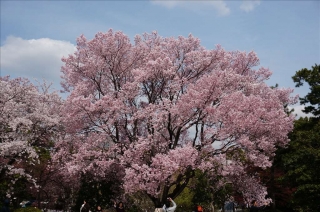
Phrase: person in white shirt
(82, 206)
(85, 207)
(167, 208)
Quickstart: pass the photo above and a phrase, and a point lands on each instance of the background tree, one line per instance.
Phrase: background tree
(312, 77)
(161, 108)
(29, 122)
(278, 190)
(202, 190)
(54, 191)
(301, 161)
(292, 180)
(97, 192)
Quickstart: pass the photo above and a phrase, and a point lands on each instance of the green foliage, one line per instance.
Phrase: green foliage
(94, 193)
(3, 187)
(223, 194)
(138, 201)
(312, 77)
(295, 172)
(184, 200)
(134, 208)
(202, 192)
(20, 187)
(301, 161)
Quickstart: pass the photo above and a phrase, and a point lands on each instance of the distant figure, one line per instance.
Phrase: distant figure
(5, 207)
(99, 209)
(119, 207)
(166, 207)
(199, 208)
(229, 206)
(254, 206)
(85, 207)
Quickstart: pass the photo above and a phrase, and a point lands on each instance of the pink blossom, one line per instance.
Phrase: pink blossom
(161, 108)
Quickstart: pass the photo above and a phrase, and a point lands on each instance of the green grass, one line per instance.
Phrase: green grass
(28, 209)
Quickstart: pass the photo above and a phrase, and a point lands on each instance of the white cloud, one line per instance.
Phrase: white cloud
(219, 5)
(298, 111)
(35, 59)
(249, 5)
(168, 4)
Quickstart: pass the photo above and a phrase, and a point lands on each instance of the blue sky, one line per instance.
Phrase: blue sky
(284, 34)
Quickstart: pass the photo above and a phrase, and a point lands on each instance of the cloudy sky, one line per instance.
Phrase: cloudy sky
(284, 34)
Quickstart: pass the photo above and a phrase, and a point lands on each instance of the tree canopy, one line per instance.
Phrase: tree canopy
(153, 111)
(312, 77)
(300, 160)
(29, 120)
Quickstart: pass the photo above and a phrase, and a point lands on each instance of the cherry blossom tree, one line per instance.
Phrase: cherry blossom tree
(155, 110)
(29, 120)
